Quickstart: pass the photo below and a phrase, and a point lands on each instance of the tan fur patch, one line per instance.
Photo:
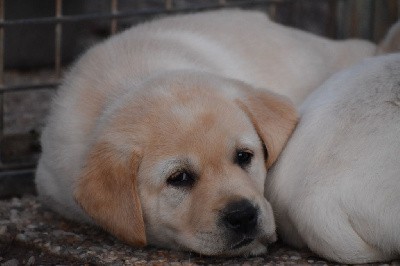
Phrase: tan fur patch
(274, 118)
(107, 192)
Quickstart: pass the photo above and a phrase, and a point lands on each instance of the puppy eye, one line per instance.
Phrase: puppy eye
(181, 179)
(243, 158)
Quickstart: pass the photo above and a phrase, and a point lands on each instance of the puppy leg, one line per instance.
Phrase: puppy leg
(391, 42)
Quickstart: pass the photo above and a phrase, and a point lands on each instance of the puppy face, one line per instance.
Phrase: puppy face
(182, 164)
(201, 178)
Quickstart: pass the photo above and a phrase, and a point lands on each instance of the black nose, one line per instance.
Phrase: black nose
(240, 217)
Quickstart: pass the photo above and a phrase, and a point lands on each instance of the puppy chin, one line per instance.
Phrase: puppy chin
(252, 249)
(256, 247)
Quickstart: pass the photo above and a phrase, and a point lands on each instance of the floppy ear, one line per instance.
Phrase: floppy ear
(274, 118)
(107, 191)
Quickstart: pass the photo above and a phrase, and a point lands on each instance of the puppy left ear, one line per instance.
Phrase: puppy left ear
(107, 190)
(274, 118)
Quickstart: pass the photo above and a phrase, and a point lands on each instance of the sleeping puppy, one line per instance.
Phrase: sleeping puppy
(336, 186)
(163, 134)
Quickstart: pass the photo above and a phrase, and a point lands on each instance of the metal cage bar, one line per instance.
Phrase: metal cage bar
(1, 74)
(114, 21)
(58, 39)
(1, 64)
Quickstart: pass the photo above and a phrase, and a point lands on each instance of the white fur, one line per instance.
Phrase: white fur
(336, 186)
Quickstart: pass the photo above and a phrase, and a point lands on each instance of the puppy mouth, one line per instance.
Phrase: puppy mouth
(244, 242)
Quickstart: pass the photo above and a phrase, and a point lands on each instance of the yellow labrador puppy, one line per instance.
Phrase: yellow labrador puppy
(163, 134)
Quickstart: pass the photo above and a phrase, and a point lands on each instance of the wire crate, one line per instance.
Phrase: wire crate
(39, 39)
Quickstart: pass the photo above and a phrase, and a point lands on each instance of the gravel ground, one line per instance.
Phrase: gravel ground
(30, 234)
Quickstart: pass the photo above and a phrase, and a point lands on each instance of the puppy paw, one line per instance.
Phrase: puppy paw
(391, 42)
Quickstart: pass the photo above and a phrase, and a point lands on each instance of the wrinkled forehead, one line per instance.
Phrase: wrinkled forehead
(197, 118)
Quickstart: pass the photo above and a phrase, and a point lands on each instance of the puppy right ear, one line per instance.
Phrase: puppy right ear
(107, 190)
(274, 118)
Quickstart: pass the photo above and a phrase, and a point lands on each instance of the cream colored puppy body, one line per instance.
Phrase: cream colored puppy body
(81, 142)
(336, 186)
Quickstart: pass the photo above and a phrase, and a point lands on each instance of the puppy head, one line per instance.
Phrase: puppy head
(182, 164)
